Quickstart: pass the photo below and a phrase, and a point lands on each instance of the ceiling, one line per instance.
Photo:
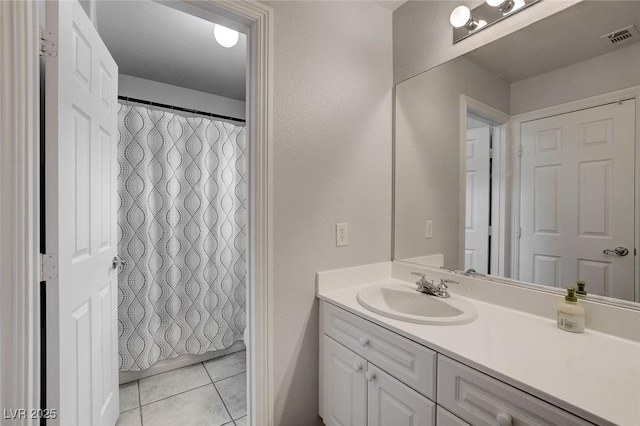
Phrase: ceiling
(156, 42)
(566, 38)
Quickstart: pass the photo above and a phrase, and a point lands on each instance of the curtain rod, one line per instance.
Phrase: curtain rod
(195, 111)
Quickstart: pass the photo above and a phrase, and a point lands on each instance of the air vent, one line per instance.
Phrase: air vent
(622, 36)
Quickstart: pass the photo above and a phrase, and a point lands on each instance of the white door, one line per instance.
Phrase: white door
(345, 386)
(81, 169)
(391, 403)
(577, 199)
(476, 247)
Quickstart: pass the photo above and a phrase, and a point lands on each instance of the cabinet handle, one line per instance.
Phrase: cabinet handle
(363, 341)
(357, 366)
(504, 419)
(369, 375)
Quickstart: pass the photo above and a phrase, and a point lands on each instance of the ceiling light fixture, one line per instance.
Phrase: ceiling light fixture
(226, 37)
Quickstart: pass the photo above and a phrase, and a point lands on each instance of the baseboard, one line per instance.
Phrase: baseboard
(178, 362)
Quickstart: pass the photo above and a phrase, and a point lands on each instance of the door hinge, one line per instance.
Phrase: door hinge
(48, 267)
(519, 232)
(48, 46)
(490, 152)
(519, 151)
(490, 231)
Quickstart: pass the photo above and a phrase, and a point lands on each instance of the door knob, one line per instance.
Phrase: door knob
(363, 341)
(370, 375)
(618, 251)
(357, 366)
(117, 262)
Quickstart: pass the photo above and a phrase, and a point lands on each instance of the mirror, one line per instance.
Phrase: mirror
(518, 160)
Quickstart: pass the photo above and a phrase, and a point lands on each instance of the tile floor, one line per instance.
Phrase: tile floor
(212, 393)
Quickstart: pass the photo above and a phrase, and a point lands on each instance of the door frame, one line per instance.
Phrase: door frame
(19, 207)
(20, 200)
(565, 108)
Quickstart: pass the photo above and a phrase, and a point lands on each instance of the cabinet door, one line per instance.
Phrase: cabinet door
(445, 418)
(392, 403)
(344, 386)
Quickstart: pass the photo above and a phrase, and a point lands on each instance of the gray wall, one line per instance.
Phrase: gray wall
(332, 163)
(427, 141)
(422, 34)
(155, 91)
(616, 70)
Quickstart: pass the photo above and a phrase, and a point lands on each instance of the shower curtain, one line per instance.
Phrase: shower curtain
(182, 220)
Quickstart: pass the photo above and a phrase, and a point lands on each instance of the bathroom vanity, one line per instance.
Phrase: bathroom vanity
(505, 367)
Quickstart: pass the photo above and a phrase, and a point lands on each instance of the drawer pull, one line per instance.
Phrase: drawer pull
(363, 341)
(504, 419)
(357, 366)
(370, 376)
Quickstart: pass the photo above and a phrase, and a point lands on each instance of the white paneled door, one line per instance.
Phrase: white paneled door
(577, 199)
(476, 246)
(81, 169)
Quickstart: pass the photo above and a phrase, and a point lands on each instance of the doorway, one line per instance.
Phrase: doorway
(92, 375)
(484, 138)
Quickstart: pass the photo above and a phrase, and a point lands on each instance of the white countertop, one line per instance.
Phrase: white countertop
(593, 375)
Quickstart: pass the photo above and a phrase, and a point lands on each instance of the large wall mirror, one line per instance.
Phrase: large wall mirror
(520, 159)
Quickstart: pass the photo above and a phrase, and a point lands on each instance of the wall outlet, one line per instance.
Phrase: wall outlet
(342, 234)
(428, 233)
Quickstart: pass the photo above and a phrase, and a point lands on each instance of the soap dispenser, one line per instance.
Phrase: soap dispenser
(570, 313)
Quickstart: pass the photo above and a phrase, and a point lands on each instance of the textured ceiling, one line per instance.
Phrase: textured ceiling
(153, 41)
(566, 38)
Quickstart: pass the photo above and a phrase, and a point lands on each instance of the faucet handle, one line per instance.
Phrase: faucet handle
(445, 281)
(418, 274)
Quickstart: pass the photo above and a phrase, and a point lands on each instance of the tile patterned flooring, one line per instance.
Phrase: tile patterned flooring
(211, 393)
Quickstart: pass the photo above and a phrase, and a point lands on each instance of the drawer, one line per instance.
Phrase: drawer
(409, 362)
(482, 400)
(445, 418)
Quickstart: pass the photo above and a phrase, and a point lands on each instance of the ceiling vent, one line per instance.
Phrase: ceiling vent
(622, 36)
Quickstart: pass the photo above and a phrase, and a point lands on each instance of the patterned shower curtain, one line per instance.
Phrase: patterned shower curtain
(182, 222)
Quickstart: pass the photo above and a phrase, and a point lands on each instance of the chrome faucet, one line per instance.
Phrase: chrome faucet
(428, 287)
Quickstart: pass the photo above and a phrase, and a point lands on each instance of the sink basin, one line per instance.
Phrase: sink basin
(404, 303)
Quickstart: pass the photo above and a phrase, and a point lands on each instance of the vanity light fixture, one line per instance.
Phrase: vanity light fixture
(226, 37)
(466, 22)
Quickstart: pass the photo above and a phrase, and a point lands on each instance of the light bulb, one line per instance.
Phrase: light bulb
(226, 37)
(460, 16)
(517, 4)
(504, 6)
